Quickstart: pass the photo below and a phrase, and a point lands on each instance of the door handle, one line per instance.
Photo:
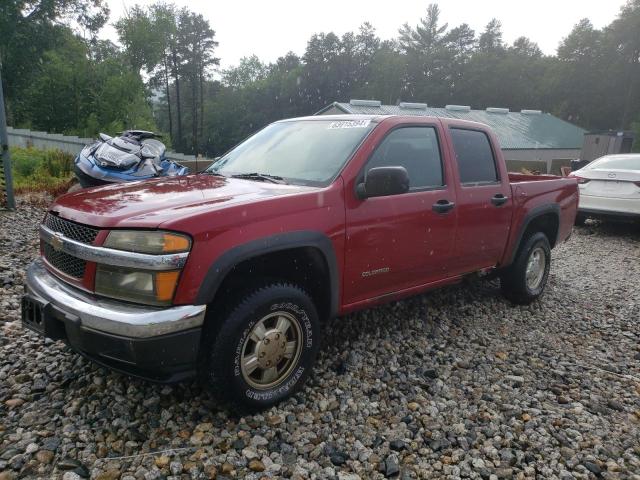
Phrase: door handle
(442, 206)
(499, 199)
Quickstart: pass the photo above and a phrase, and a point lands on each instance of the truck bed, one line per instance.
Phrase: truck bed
(531, 193)
(523, 177)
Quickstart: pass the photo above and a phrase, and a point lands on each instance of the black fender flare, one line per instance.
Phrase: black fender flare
(221, 267)
(531, 216)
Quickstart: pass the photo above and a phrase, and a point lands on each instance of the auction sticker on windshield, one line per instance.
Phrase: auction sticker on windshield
(350, 124)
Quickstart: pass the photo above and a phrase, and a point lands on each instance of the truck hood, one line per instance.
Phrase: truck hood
(147, 204)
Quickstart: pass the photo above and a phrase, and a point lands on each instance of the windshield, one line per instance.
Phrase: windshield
(308, 152)
(617, 162)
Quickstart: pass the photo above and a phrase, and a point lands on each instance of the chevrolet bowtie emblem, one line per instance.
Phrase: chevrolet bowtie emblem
(57, 240)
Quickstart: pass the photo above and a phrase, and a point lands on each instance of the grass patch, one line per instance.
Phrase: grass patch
(37, 170)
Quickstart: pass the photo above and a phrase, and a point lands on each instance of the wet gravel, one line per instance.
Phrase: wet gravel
(457, 383)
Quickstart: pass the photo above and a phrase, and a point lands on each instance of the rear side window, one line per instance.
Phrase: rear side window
(476, 163)
(417, 150)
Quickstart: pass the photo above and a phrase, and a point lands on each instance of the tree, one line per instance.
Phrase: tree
(427, 58)
(142, 41)
(249, 70)
(426, 36)
(525, 48)
(195, 47)
(75, 93)
(165, 23)
(491, 39)
(578, 69)
(29, 29)
(460, 43)
(622, 37)
(57, 99)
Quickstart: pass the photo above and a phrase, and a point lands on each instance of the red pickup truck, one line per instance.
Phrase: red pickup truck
(231, 273)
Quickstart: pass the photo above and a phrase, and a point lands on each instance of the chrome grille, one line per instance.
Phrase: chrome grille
(72, 266)
(75, 231)
(65, 263)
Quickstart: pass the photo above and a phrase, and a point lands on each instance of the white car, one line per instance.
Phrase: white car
(609, 188)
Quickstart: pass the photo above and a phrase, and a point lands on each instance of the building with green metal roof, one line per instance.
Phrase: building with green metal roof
(529, 138)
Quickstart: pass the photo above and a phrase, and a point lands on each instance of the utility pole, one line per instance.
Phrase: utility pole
(6, 178)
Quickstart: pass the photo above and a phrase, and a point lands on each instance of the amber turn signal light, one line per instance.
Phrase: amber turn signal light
(175, 243)
(165, 285)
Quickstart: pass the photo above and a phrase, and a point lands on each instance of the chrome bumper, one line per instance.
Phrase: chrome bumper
(111, 316)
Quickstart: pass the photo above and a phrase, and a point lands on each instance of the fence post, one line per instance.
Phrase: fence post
(6, 178)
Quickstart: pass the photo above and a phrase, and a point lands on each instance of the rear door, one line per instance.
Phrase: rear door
(483, 203)
(399, 241)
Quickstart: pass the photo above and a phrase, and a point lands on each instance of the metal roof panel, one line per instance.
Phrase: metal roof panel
(515, 130)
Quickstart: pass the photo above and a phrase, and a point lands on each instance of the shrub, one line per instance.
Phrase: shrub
(37, 170)
(24, 161)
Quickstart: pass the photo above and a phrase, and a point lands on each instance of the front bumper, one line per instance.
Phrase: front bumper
(159, 344)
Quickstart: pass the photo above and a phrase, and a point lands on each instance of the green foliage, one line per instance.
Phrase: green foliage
(40, 170)
(75, 94)
(28, 29)
(59, 81)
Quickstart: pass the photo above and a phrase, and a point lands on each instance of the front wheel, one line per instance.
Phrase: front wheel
(265, 347)
(525, 280)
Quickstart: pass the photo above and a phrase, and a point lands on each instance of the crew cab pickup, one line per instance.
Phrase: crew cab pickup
(231, 273)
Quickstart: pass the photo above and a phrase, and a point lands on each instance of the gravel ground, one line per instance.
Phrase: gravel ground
(456, 383)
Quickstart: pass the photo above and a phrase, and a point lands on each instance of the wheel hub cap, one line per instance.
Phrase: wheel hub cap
(271, 350)
(536, 266)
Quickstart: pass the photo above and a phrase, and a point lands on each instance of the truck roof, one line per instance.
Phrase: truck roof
(379, 118)
(373, 118)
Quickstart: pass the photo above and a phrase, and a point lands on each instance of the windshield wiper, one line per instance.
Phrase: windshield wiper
(264, 177)
(215, 174)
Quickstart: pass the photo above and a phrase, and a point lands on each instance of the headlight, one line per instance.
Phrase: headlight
(136, 285)
(149, 241)
(140, 286)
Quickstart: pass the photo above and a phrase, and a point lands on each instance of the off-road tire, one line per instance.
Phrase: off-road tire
(221, 368)
(513, 281)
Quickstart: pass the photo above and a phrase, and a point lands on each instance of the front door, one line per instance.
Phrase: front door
(399, 241)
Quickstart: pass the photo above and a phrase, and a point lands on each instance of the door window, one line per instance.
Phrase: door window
(474, 155)
(417, 150)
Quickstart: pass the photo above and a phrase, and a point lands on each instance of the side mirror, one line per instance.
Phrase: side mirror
(384, 181)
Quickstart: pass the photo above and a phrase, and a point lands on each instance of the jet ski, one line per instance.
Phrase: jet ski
(132, 155)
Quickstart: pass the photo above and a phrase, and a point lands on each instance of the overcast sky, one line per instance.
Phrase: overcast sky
(271, 28)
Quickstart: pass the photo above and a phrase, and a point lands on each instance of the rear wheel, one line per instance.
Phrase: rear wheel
(525, 280)
(264, 348)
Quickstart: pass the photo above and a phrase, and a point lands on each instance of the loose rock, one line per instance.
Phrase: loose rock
(458, 383)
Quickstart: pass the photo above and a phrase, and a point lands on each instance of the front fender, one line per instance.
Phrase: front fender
(221, 267)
